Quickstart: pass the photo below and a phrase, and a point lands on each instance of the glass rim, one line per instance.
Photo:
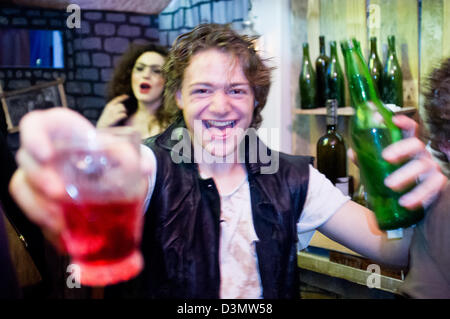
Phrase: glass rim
(90, 141)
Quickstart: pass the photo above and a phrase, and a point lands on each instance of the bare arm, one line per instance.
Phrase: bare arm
(355, 227)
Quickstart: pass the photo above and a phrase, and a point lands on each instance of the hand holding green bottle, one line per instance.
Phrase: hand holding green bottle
(412, 149)
(399, 152)
(382, 149)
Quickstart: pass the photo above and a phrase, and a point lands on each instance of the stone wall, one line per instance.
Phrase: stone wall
(91, 51)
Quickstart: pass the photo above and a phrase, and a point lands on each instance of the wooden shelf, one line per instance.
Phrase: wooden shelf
(323, 265)
(344, 111)
(348, 111)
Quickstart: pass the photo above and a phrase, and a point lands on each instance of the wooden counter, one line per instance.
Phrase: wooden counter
(326, 257)
(321, 241)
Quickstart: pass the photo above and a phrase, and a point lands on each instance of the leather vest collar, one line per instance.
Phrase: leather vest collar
(176, 139)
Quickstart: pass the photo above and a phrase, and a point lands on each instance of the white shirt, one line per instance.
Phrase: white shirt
(238, 262)
(240, 276)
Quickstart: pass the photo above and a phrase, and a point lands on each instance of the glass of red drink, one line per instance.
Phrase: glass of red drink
(102, 204)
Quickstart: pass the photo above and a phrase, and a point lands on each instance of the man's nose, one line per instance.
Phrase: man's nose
(220, 103)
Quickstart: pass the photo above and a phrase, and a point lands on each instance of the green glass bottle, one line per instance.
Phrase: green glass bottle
(307, 81)
(335, 77)
(322, 62)
(392, 78)
(372, 130)
(331, 151)
(375, 66)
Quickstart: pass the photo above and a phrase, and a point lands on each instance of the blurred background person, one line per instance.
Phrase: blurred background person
(135, 92)
(429, 275)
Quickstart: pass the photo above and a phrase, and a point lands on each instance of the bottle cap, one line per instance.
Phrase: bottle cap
(331, 106)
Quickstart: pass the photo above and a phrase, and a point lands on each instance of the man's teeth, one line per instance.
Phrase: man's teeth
(219, 123)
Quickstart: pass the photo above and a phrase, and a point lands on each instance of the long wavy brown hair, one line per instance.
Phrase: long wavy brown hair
(225, 39)
(121, 79)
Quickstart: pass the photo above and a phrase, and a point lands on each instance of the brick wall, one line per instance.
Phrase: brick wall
(182, 16)
(91, 52)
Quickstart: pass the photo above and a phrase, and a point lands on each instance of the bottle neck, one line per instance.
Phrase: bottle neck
(373, 46)
(391, 45)
(331, 106)
(306, 52)
(322, 45)
(360, 82)
(370, 112)
(333, 51)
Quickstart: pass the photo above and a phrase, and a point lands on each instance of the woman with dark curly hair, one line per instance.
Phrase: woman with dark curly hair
(135, 92)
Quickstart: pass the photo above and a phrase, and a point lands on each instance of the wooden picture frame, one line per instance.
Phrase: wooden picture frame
(41, 96)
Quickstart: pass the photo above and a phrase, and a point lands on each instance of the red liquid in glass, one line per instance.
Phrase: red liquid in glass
(102, 232)
(103, 239)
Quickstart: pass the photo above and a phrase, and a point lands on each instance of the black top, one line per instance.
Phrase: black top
(8, 284)
(30, 232)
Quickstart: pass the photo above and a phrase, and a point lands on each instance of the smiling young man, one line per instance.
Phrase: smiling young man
(217, 104)
(223, 228)
(218, 226)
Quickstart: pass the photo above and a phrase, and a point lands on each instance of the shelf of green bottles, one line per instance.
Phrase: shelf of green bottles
(349, 111)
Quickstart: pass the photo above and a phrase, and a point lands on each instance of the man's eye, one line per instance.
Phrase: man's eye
(237, 91)
(200, 91)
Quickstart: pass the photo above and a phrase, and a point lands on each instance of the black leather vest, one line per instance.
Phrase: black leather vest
(181, 231)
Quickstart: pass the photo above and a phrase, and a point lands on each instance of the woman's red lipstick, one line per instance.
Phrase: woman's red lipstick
(144, 87)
